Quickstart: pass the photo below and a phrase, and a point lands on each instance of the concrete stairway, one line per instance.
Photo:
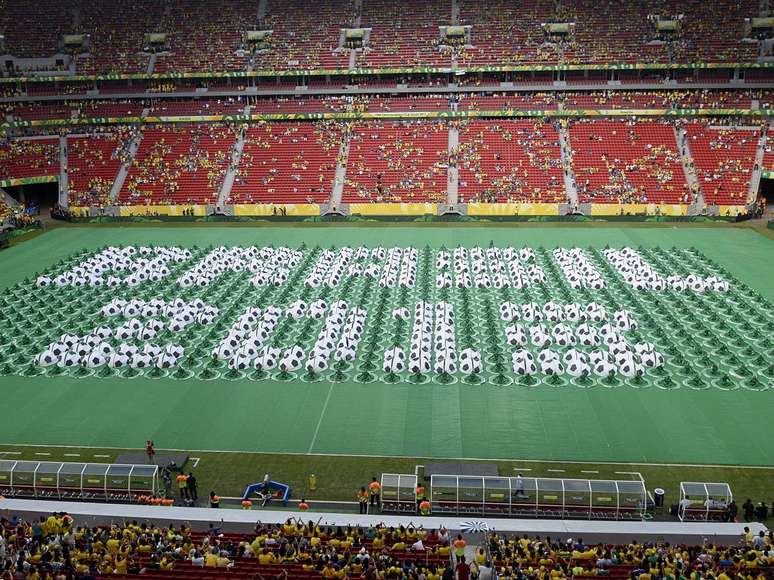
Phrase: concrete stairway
(151, 64)
(755, 178)
(9, 200)
(570, 186)
(686, 160)
(358, 13)
(340, 177)
(118, 182)
(63, 183)
(453, 173)
(263, 9)
(236, 157)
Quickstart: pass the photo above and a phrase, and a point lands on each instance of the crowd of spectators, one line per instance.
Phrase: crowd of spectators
(20, 158)
(494, 101)
(302, 38)
(630, 162)
(93, 163)
(724, 160)
(12, 69)
(292, 162)
(504, 33)
(546, 557)
(509, 161)
(404, 34)
(688, 99)
(55, 548)
(768, 154)
(204, 36)
(402, 161)
(5, 210)
(20, 216)
(178, 165)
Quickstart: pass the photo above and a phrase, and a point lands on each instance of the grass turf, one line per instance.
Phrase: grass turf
(338, 477)
(460, 421)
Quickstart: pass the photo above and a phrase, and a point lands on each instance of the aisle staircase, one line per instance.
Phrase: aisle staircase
(231, 171)
(689, 170)
(570, 187)
(63, 183)
(151, 64)
(340, 176)
(453, 179)
(9, 200)
(123, 172)
(755, 178)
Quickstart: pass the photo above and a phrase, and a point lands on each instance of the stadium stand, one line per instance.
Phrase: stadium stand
(510, 161)
(93, 162)
(724, 159)
(537, 101)
(397, 162)
(504, 33)
(21, 158)
(97, 109)
(117, 31)
(197, 107)
(302, 41)
(768, 155)
(302, 550)
(5, 211)
(55, 546)
(404, 34)
(38, 111)
(577, 559)
(291, 105)
(178, 165)
(287, 163)
(28, 35)
(402, 104)
(627, 162)
(657, 100)
(204, 37)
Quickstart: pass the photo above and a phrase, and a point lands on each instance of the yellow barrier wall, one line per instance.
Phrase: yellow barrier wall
(169, 210)
(392, 208)
(609, 209)
(267, 209)
(731, 210)
(512, 209)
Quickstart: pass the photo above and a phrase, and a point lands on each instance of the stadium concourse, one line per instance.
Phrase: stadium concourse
(302, 249)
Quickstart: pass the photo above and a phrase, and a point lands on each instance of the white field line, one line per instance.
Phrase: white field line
(320, 420)
(366, 456)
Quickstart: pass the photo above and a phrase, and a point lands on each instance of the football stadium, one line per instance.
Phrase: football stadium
(386, 289)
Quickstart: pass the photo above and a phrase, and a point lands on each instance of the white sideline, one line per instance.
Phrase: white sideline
(366, 456)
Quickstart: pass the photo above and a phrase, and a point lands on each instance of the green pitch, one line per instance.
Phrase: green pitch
(705, 404)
